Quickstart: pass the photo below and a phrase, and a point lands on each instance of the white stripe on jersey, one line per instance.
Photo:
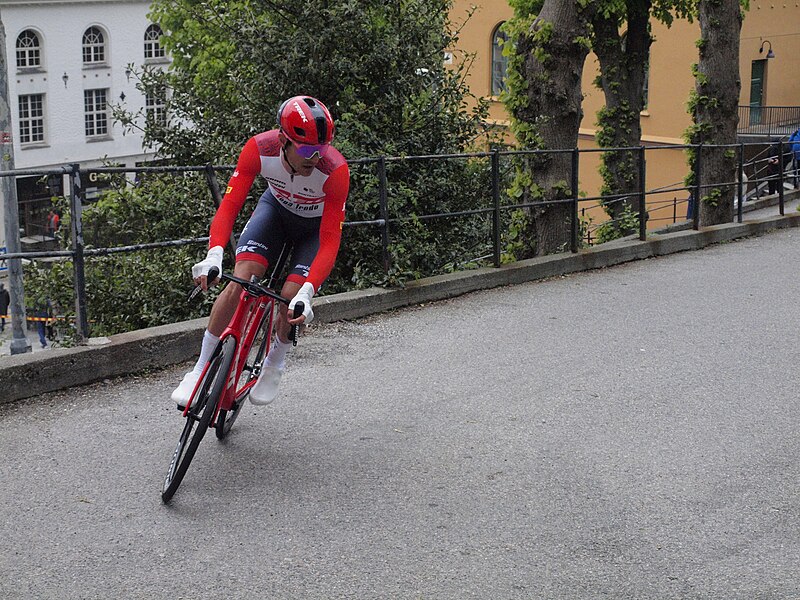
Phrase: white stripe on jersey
(301, 195)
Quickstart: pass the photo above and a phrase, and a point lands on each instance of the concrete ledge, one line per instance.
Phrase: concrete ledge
(27, 375)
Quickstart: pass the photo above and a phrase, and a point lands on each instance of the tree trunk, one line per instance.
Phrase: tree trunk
(716, 114)
(554, 51)
(623, 61)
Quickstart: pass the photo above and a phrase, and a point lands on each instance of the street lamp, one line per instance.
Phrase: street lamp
(770, 53)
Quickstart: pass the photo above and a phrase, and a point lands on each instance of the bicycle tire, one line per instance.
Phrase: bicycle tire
(198, 419)
(250, 371)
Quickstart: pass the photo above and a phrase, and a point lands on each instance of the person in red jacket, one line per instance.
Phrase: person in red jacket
(304, 205)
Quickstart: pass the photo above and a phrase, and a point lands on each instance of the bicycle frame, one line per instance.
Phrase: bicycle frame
(244, 327)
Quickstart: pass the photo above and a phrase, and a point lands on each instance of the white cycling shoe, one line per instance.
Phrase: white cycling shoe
(266, 388)
(183, 392)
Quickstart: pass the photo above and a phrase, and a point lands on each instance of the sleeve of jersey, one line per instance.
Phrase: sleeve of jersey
(248, 166)
(330, 230)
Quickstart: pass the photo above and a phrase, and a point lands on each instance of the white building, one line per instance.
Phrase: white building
(67, 61)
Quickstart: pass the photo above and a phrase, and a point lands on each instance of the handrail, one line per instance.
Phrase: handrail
(497, 205)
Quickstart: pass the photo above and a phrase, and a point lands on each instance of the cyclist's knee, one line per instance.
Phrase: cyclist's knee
(245, 269)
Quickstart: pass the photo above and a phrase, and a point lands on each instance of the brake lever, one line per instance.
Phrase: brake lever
(194, 293)
(298, 310)
(213, 273)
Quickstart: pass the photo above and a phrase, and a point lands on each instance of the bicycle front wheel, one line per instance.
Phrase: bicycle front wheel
(198, 419)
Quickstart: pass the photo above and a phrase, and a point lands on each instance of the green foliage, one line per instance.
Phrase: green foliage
(127, 291)
(514, 243)
(628, 221)
(713, 196)
(378, 66)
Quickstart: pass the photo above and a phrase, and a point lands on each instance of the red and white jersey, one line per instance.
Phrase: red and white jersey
(321, 194)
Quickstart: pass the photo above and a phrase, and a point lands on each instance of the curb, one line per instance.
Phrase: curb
(27, 375)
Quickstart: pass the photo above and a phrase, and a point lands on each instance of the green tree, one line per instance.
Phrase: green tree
(380, 69)
(550, 42)
(379, 66)
(714, 105)
(621, 39)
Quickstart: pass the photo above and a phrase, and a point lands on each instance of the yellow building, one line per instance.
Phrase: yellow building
(770, 74)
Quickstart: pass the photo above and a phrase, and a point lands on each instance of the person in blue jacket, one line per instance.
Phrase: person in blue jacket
(794, 140)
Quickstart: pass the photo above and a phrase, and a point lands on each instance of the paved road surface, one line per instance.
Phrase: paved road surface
(624, 433)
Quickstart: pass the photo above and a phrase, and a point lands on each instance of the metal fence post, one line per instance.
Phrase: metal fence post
(76, 227)
(698, 171)
(780, 177)
(573, 243)
(496, 206)
(216, 194)
(384, 211)
(642, 195)
(740, 184)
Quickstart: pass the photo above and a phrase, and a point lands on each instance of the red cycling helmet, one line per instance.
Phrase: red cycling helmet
(306, 120)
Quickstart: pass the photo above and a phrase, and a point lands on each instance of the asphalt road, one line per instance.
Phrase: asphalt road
(625, 433)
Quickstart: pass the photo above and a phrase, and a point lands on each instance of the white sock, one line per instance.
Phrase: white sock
(277, 353)
(206, 350)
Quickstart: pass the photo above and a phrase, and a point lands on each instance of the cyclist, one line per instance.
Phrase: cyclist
(308, 181)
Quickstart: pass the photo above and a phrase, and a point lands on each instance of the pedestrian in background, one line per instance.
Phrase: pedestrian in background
(794, 141)
(42, 312)
(53, 220)
(5, 300)
(775, 165)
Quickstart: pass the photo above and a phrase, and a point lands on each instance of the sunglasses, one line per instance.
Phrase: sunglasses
(309, 151)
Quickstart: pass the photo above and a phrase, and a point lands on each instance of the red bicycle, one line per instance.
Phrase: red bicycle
(233, 369)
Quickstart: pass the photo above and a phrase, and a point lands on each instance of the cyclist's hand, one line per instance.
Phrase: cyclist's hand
(201, 269)
(304, 295)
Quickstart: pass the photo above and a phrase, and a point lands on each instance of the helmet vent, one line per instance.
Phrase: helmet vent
(300, 131)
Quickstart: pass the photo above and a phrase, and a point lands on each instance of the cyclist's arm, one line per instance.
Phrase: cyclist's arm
(330, 230)
(248, 166)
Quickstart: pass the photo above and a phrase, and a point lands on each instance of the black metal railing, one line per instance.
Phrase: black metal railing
(497, 205)
(769, 121)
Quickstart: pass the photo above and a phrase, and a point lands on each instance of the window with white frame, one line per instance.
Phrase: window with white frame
(95, 112)
(499, 62)
(29, 50)
(31, 118)
(152, 44)
(94, 46)
(155, 103)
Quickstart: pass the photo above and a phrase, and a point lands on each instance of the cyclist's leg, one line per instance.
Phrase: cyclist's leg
(304, 250)
(305, 245)
(226, 302)
(259, 245)
(221, 314)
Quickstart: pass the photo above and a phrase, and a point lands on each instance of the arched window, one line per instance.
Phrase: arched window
(152, 46)
(29, 50)
(499, 62)
(94, 46)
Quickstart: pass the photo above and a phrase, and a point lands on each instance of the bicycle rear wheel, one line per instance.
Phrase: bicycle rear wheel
(250, 372)
(198, 419)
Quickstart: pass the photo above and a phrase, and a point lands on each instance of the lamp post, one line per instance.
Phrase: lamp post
(8, 190)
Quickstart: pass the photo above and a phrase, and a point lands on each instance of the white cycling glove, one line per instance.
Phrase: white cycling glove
(213, 259)
(304, 295)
